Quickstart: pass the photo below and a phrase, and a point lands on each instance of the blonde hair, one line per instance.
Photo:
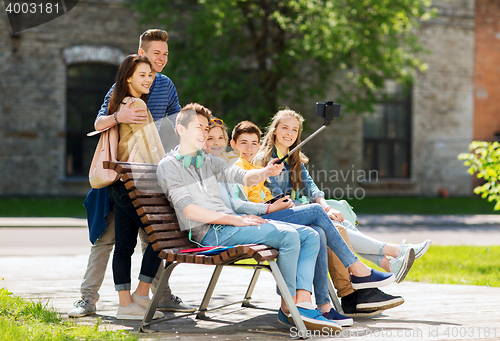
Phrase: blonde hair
(296, 159)
(152, 35)
(223, 127)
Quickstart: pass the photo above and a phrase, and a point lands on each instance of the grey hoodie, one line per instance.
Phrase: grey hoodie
(185, 186)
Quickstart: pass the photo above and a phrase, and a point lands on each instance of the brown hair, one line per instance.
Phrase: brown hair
(186, 115)
(296, 159)
(152, 35)
(121, 89)
(245, 127)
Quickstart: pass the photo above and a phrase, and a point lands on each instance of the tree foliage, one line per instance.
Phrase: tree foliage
(247, 57)
(484, 160)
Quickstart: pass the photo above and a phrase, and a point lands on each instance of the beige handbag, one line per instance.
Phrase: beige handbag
(106, 150)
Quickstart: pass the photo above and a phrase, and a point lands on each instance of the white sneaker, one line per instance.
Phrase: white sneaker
(82, 308)
(420, 249)
(134, 312)
(402, 264)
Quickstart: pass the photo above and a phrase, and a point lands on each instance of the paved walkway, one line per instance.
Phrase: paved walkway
(48, 263)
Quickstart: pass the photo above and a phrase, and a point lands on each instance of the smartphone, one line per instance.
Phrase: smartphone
(328, 110)
(273, 200)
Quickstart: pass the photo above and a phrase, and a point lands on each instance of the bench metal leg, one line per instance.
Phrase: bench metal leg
(287, 297)
(160, 287)
(334, 298)
(209, 291)
(251, 287)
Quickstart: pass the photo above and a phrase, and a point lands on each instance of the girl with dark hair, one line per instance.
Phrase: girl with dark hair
(138, 143)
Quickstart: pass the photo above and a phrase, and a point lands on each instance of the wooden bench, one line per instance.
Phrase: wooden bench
(165, 235)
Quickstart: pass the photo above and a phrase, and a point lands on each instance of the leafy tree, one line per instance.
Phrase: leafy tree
(247, 57)
(484, 160)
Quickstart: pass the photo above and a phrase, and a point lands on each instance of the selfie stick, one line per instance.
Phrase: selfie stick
(329, 111)
(300, 144)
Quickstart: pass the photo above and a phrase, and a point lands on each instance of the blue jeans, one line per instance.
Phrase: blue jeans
(298, 247)
(315, 216)
(127, 224)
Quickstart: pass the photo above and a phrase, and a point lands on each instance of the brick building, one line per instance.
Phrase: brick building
(54, 76)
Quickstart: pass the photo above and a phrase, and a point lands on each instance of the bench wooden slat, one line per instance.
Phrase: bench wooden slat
(142, 185)
(161, 201)
(164, 254)
(157, 218)
(127, 167)
(155, 210)
(189, 258)
(199, 259)
(145, 194)
(176, 234)
(256, 248)
(109, 165)
(140, 176)
(166, 244)
(266, 255)
(161, 227)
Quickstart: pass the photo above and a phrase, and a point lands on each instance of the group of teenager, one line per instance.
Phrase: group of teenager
(221, 197)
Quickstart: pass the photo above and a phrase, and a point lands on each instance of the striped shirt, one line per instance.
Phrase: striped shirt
(162, 101)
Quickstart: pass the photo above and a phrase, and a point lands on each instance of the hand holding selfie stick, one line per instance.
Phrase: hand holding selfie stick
(329, 111)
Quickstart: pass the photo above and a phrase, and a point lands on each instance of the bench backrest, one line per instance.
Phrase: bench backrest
(162, 226)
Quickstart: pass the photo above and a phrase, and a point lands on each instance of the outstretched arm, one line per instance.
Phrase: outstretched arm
(256, 176)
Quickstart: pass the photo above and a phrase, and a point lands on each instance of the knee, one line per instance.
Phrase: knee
(291, 239)
(317, 207)
(314, 239)
(319, 211)
(321, 235)
(125, 251)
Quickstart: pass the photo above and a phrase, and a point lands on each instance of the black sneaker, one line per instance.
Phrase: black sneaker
(370, 299)
(349, 307)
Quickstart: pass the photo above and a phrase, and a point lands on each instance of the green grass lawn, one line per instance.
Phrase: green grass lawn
(471, 265)
(73, 207)
(421, 205)
(31, 320)
(41, 207)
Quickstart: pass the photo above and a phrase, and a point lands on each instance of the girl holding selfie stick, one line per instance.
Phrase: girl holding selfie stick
(283, 135)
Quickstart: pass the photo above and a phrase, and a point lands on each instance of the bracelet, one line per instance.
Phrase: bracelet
(268, 207)
(116, 118)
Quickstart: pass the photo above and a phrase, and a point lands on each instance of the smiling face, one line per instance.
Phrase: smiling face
(193, 136)
(286, 133)
(140, 81)
(157, 53)
(216, 142)
(247, 145)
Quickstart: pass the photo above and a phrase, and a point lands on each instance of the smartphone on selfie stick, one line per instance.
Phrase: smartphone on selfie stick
(329, 111)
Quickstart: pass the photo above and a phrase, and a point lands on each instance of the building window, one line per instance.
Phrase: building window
(387, 134)
(87, 84)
